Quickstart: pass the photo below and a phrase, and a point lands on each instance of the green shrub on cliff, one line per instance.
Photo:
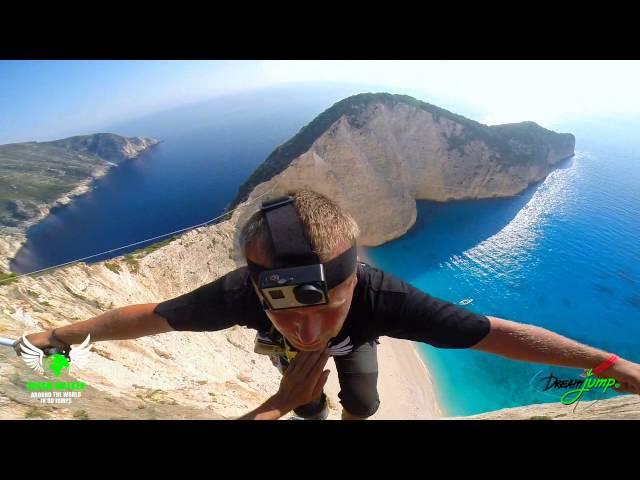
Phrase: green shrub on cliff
(7, 278)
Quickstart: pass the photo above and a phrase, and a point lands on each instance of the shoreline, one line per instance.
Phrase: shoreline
(15, 240)
(12, 239)
(405, 383)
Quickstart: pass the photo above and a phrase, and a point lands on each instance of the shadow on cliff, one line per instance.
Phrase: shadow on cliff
(444, 230)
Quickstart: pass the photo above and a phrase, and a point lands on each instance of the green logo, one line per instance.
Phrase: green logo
(34, 357)
(587, 385)
(57, 362)
(55, 392)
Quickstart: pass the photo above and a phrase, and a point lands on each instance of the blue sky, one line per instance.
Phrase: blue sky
(43, 100)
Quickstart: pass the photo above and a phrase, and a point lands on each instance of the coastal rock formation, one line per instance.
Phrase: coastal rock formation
(623, 407)
(377, 153)
(108, 146)
(38, 176)
(174, 375)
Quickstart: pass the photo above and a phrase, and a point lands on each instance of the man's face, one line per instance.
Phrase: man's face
(311, 328)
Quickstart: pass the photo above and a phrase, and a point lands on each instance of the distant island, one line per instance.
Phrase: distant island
(38, 176)
(378, 152)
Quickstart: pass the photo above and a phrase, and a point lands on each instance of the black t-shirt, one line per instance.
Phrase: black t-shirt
(382, 305)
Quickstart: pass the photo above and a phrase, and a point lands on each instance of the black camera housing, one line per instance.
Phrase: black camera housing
(294, 287)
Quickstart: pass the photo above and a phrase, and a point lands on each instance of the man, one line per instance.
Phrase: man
(309, 297)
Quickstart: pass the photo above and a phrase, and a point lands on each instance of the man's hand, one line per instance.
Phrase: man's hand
(41, 340)
(304, 379)
(301, 383)
(627, 374)
(123, 323)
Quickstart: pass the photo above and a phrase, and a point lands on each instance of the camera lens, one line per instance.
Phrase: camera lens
(308, 294)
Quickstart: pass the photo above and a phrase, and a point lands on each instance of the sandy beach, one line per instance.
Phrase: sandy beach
(404, 384)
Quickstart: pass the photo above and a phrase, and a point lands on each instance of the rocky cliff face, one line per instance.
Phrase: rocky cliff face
(377, 153)
(624, 407)
(174, 375)
(107, 146)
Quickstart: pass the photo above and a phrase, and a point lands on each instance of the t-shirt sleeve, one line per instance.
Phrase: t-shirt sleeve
(411, 314)
(220, 304)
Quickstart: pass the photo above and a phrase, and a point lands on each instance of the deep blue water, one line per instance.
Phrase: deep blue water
(564, 255)
(208, 149)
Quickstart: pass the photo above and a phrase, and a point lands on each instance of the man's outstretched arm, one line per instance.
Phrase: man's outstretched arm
(529, 343)
(132, 321)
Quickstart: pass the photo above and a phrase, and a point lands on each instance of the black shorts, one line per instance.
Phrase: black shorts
(358, 377)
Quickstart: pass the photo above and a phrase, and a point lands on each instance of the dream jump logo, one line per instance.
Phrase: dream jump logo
(573, 396)
(55, 392)
(588, 384)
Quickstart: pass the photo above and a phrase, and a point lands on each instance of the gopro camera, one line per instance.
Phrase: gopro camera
(294, 287)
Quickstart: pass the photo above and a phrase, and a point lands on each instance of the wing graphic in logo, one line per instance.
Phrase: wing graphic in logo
(31, 355)
(79, 355)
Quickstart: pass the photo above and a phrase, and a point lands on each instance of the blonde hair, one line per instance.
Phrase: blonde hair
(325, 224)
